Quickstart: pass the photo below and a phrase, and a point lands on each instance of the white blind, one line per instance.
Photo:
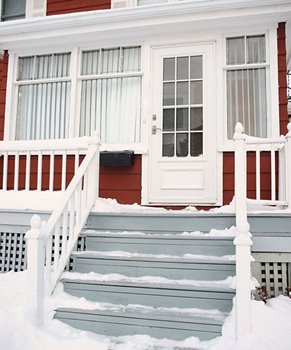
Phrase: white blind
(111, 94)
(43, 97)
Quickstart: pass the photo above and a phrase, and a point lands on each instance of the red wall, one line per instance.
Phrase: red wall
(3, 80)
(228, 157)
(56, 7)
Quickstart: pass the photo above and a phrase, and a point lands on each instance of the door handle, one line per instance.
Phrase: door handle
(154, 129)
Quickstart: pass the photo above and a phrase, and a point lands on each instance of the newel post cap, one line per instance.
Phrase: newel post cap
(35, 231)
(239, 131)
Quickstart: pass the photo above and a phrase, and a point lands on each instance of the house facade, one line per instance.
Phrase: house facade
(163, 84)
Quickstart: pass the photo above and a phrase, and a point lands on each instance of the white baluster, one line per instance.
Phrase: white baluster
(288, 165)
(273, 174)
(64, 170)
(39, 171)
(16, 171)
(5, 171)
(52, 171)
(27, 172)
(258, 172)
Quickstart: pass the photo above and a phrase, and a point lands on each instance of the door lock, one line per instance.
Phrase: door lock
(154, 129)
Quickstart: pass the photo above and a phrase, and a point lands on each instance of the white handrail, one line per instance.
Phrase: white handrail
(60, 234)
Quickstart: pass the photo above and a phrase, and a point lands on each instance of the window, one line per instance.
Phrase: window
(43, 97)
(246, 84)
(12, 9)
(111, 94)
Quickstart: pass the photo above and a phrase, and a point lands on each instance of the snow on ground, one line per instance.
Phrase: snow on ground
(271, 327)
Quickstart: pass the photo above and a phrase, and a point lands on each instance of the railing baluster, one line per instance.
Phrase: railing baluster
(49, 248)
(57, 248)
(77, 160)
(258, 172)
(16, 171)
(39, 171)
(27, 172)
(5, 171)
(65, 232)
(52, 171)
(64, 170)
(72, 217)
(273, 174)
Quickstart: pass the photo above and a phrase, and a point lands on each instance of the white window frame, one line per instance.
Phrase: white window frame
(75, 101)
(271, 81)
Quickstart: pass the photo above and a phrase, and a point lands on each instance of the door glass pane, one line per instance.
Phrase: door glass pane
(169, 94)
(235, 50)
(196, 67)
(182, 145)
(196, 144)
(169, 69)
(168, 119)
(196, 119)
(182, 119)
(196, 92)
(182, 68)
(182, 93)
(168, 145)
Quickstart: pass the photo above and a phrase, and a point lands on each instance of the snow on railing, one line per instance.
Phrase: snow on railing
(61, 230)
(279, 196)
(41, 157)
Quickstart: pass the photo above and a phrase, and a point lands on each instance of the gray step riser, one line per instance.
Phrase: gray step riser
(161, 246)
(112, 326)
(194, 271)
(152, 297)
(259, 223)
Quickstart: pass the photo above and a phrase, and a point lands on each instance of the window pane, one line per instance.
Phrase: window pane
(182, 119)
(246, 101)
(196, 92)
(182, 68)
(43, 66)
(182, 145)
(256, 50)
(196, 67)
(196, 144)
(110, 60)
(169, 94)
(169, 69)
(196, 118)
(13, 9)
(105, 107)
(43, 111)
(235, 50)
(182, 93)
(61, 65)
(168, 145)
(131, 59)
(25, 68)
(168, 119)
(90, 61)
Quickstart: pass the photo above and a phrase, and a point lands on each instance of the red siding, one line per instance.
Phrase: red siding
(56, 7)
(122, 183)
(228, 157)
(3, 80)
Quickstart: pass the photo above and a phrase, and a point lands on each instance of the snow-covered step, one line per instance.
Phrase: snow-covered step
(134, 265)
(213, 243)
(171, 295)
(171, 325)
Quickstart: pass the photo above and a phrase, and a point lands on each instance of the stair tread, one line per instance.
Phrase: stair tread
(187, 258)
(211, 287)
(148, 314)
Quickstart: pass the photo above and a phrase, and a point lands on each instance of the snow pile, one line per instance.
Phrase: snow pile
(271, 327)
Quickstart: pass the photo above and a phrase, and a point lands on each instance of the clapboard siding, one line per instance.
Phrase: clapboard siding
(55, 7)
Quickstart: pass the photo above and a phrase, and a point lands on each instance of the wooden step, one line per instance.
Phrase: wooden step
(159, 243)
(151, 294)
(176, 268)
(174, 326)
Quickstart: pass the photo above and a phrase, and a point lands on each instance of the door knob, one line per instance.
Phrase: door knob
(154, 129)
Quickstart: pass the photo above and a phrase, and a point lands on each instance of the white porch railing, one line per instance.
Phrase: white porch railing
(62, 229)
(280, 194)
(38, 162)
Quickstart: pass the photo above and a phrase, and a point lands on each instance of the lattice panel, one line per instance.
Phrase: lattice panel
(13, 251)
(273, 271)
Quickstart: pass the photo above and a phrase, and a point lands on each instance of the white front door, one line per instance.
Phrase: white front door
(182, 156)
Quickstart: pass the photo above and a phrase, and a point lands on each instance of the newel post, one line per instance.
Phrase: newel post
(35, 269)
(288, 165)
(243, 240)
